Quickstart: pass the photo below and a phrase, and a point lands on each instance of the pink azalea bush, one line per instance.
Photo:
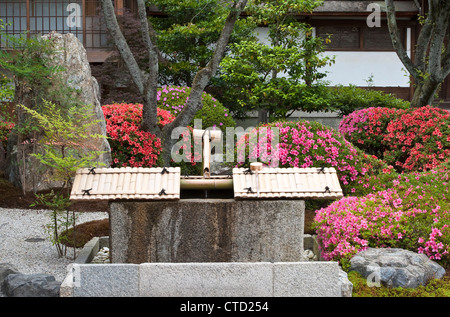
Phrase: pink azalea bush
(408, 139)
(130, 146)
(419, 139)
(308, 144)
(366, 128)
(412, 213)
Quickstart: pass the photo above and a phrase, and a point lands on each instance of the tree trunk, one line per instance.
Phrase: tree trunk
(431, 64)
(263, 116)
(167, 144)
(425, 93)
(149, 113)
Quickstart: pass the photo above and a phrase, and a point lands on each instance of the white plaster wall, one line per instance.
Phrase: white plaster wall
(355, 68)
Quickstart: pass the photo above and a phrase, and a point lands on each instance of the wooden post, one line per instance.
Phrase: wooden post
(28, 18)
(118, 4)
(83, 5)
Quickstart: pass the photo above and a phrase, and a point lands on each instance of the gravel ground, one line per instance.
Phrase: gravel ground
(17, 226)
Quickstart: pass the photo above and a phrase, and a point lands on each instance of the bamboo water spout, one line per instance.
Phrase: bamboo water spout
(207, 136)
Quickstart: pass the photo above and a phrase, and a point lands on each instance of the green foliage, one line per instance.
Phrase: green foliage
(282, 76)
(60, 218)
(63, 137)
(347, 99)
(212, 113)
(63, 152)
(252, 75)
(187, 36)
(273, 11)
(6, 89)
(27, 59)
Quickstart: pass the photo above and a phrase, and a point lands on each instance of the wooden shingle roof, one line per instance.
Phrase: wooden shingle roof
(295, 183)
(164, 183)
(126, 183)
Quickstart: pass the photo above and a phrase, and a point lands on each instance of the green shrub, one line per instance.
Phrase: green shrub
(212, 113)
(346, 99)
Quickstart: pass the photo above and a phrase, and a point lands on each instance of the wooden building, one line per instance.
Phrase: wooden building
(80, 17)
(364, 55)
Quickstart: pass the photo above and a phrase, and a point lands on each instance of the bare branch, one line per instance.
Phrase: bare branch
(423, 41)
(437, 41)
(152, 50)
(149, 110)
(121, 44)
(395, 37)
(153, 37)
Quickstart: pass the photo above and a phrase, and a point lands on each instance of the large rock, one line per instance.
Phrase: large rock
(395, 267)
(346, 285)
(32, 285)
(5, 270)
(71, 56)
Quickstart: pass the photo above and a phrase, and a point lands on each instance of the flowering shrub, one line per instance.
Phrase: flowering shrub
(309, 144)
(5, 129)
(130, 145)
(408, 139)
(419, 139)
(366, 128)
(212, 113)
(413, 214)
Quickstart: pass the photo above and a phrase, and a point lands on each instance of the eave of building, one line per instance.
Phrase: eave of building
(361, 7)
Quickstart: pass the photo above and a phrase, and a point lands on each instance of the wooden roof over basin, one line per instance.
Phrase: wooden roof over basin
(294, 183)
(164, 183)
(126, 183)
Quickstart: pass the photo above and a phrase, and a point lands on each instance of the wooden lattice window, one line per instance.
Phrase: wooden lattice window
(357, 37)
